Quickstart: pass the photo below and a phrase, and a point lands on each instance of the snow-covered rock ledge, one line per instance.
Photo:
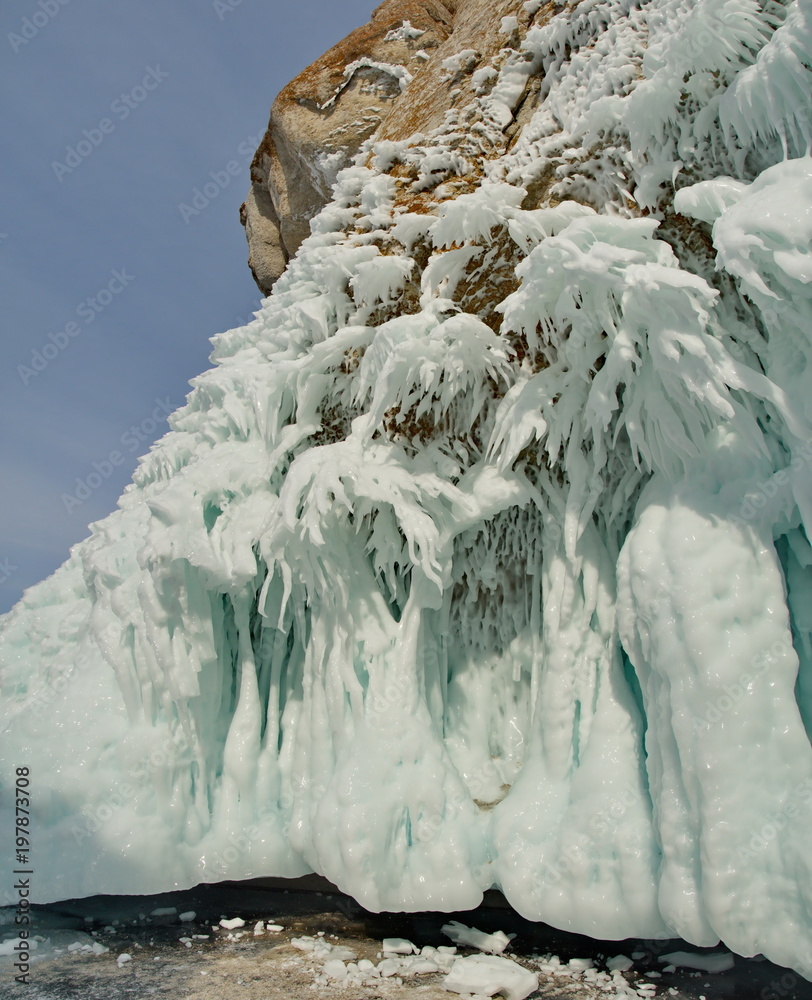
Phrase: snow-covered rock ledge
(481, 556)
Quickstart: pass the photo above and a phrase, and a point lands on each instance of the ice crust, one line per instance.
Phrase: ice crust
(426, 607)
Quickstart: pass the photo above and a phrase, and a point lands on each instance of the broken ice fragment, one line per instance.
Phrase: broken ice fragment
(491, 974)
(494, 943)
(399, 946)
(620, 963)
(719, 961)
(232, 924)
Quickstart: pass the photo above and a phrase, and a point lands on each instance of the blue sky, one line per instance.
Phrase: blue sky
(109, 294)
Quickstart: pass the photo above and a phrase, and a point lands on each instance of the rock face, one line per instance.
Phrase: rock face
(482, 555)
(357, 89)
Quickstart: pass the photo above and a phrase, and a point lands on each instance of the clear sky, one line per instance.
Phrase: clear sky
(110, 291)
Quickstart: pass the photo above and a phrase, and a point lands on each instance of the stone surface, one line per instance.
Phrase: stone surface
(320, 119)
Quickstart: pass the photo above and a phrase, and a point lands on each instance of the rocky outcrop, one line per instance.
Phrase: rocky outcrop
(400, 74)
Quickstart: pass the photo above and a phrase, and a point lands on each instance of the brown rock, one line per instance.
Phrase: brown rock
(321, 119)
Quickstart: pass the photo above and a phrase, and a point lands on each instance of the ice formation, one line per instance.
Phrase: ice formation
(481, 556)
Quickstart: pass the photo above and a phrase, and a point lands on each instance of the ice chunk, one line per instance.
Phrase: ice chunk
(619, 963)
(716, 962)
(399, 946)
(12, 946)
(494, 943)
(489, 975)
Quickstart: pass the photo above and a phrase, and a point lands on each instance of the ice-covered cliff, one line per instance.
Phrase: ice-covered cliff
(481, 556)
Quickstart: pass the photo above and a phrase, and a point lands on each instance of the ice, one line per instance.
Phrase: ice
(10, 946)
(232, 924)
(716, 962)
(481, 556)
(399, 946)
(621, 963)
(489, 975)
(494, 943)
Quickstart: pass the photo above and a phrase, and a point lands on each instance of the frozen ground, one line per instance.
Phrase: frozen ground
(190, 959)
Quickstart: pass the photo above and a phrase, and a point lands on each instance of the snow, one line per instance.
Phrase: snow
(429, 595)
(403, 33)
(395, 70)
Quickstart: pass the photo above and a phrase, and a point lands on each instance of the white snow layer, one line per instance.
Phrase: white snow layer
(428, 607)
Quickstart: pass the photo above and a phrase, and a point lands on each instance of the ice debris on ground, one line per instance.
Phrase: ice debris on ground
(11, 945)
(398, 946)
(716, 962)
(491, 974)
(486, 566)
(481, 975)
(494, 943)
(621, 963)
